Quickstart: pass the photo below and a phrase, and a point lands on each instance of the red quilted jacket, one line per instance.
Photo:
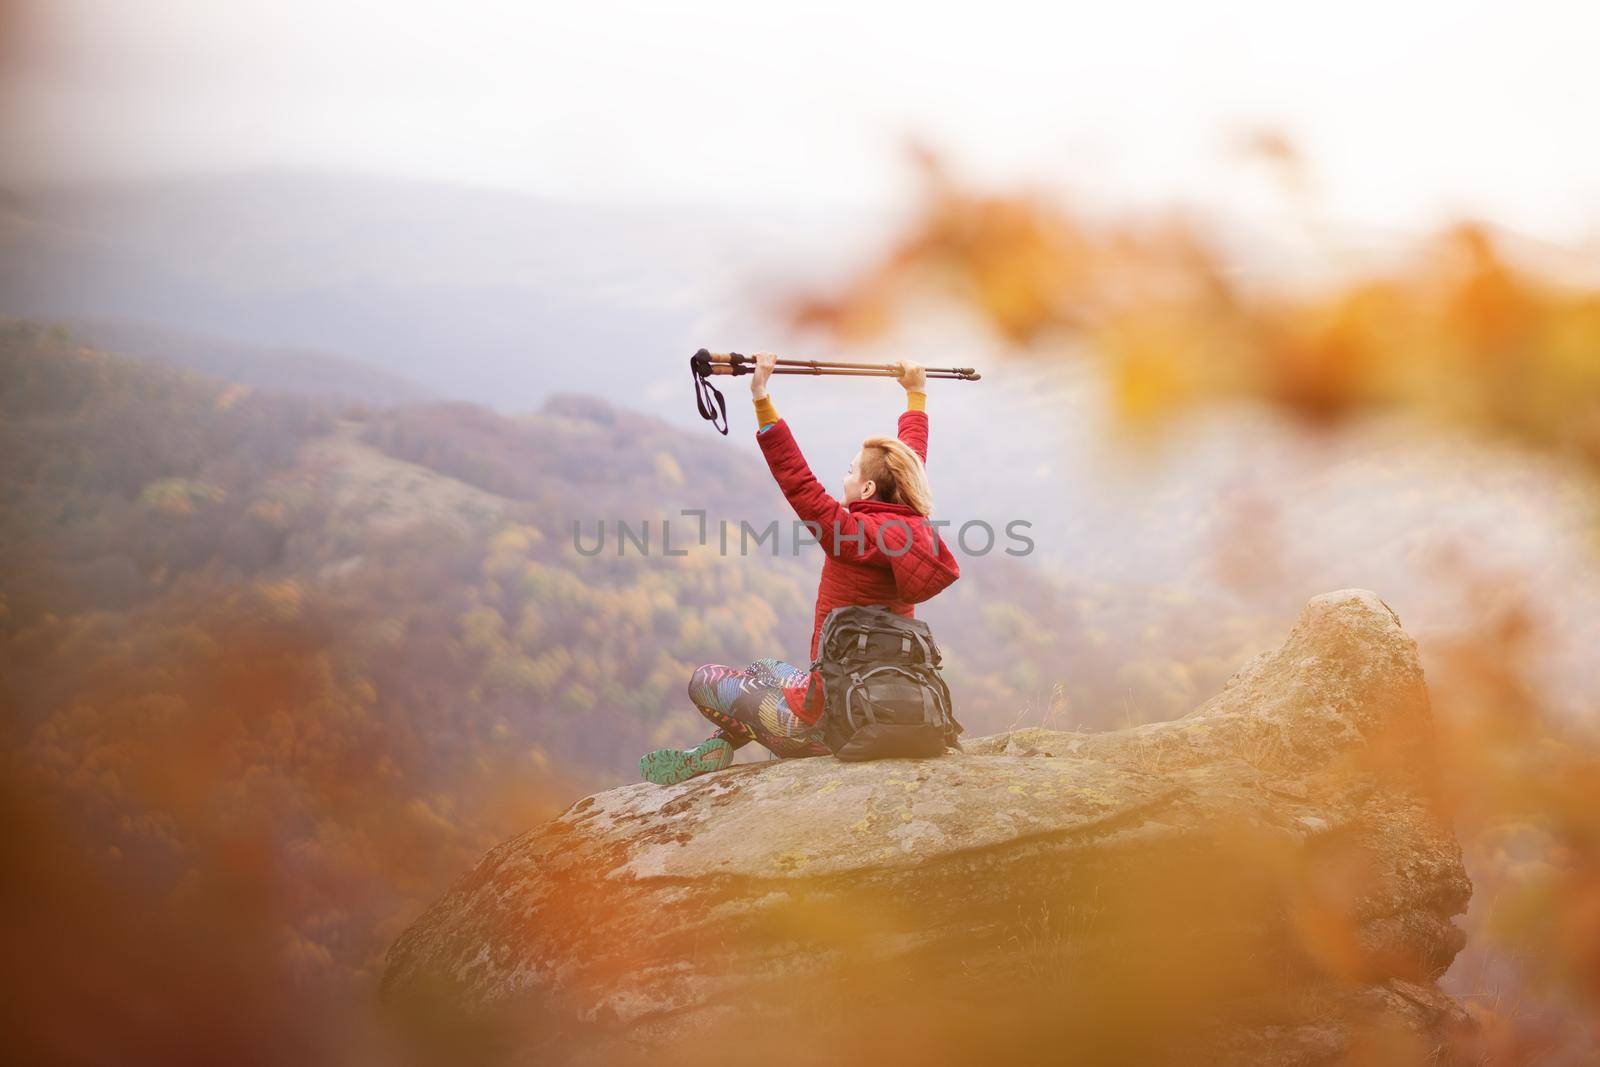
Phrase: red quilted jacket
(859, 568)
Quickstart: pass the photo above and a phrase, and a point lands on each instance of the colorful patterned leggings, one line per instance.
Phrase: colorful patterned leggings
(751, 705)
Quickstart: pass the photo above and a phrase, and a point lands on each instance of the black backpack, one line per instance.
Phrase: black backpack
(883, 693)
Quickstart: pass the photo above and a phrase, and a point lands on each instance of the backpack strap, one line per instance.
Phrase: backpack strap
(849, 704)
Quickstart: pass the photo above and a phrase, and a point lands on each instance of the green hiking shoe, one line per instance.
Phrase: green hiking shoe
(669, 766)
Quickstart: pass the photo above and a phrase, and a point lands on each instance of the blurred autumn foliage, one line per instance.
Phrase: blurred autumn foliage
(1455, 331)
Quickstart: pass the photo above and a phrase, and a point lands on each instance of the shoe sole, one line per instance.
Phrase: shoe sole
(669, 766)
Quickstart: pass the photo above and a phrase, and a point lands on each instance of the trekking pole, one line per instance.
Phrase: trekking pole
(704, 365)
(734, 363)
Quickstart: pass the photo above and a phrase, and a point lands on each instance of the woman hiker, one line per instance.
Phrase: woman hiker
(886, 500)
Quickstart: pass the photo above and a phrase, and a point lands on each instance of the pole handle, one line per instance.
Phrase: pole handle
(730, 363)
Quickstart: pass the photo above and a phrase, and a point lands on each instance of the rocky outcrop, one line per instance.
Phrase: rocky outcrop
(1263, 880)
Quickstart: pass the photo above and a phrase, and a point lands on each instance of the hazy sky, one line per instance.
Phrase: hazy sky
(1407, 111)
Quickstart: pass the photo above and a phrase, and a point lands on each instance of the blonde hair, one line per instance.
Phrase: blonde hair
(898, 472)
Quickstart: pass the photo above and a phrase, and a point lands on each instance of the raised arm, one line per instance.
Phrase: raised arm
(838, 532)
(913, 426)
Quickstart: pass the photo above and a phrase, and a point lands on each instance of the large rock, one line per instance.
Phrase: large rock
(1261, 881)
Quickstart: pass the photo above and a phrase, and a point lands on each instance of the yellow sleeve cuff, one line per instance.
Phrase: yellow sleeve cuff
(916, 400)
(765, 412)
